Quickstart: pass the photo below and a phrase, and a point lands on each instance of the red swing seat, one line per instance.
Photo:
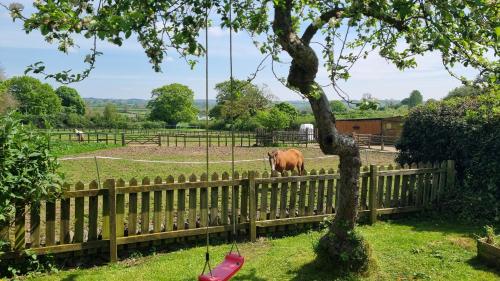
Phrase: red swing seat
(224, 271)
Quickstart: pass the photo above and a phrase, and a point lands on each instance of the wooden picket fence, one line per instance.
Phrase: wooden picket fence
(94, 219)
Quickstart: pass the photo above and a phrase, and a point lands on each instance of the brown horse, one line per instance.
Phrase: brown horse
(286, 160)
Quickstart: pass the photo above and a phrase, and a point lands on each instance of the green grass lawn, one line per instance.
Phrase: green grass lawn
(405, 249)
(61, 148)
(73, 169)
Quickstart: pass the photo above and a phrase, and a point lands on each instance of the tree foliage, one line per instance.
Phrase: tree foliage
(466, 130)
(172, 104)
(33, 96)
(27, 169)
(463, 91)
(414, 99)
(338, 106)
(71, 100)
(274, 119)
(242, 101)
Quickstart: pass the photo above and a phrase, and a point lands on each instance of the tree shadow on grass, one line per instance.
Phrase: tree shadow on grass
(71, 277)
(252, 275)
(431, 222)
(319, 271)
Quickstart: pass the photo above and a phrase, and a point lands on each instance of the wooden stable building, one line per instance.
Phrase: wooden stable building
(390, 126)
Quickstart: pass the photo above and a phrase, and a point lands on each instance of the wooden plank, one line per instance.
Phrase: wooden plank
(34, 225)
(408, 209)
(411, 188)
(93, 212)
(192, 204)
(413, 171)
(113, 248)
(204, 202)
(329, 193)
(298, 178)
(427, 186)
(64, 234)
(120, 210)
(296, 220)
(420, 187)
(169, 207)
(364, 190)
(274, 197)
(244, 198)
(321, 194)
(181, 205)
(264, 193)
(105, 213)
(156, 187)
(145, 201)
(404, 190)
(214, 202)
(434, 185)
(132, 210)
(252, 206)
(293, 197)
(50, 223)
(396, 202)
(442, 182)
(450, 174)
(312, 195)
(179, 233)
(225, 201)
(380, 189)
(372, 203)
(302, 197)
(79, 214)
(388, 189)
(235, 199)
(157, 207)
(19, 230)
(283, 197)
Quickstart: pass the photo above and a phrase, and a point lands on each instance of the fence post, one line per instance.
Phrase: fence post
(159, 139)
(113, 249)
(450, 174)
(372, 202)
(382, 142)
(123, 139)
(252, 206)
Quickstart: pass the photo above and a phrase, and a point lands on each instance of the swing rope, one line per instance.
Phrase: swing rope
(231, 90)
(207, 253)
(238, 262)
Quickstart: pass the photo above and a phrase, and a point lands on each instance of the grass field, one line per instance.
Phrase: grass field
(405, 249)
(85, 170)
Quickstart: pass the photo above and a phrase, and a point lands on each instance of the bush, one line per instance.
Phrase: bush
(466, 130)
(28, 170)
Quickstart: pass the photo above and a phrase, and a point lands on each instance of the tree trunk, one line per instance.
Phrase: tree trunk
(304, 67)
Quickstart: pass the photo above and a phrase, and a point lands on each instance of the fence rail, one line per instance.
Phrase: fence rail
(88, 217)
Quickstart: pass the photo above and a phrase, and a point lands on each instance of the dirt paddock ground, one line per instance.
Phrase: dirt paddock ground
(85, 169)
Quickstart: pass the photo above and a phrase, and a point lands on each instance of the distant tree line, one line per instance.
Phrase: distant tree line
(244, 107)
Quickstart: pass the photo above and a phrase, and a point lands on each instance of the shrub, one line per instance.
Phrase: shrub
(28, 170)
(466, 130)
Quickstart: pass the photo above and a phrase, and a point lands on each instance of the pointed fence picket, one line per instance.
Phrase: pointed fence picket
(267, 202)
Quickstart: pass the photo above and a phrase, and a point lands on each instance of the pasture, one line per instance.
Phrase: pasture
(85, 170)
(416, 248)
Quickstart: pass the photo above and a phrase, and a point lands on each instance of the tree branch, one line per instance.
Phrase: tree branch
(315, 26)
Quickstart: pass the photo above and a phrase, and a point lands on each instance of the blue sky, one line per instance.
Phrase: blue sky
(124, 72)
